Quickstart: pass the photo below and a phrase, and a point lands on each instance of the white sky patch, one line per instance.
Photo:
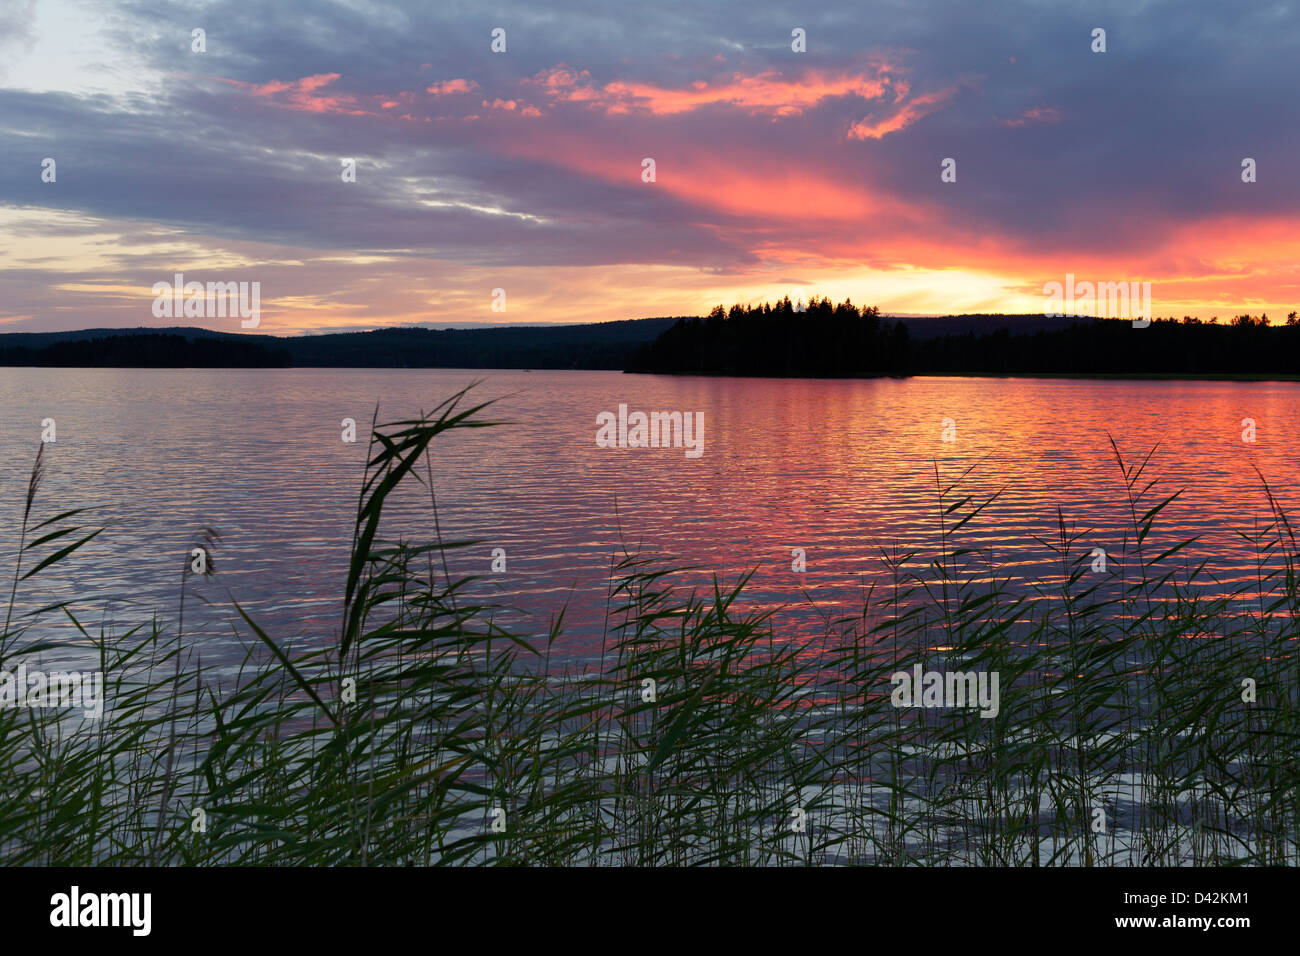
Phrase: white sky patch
(70, 242)
(363, 260)
(475, 207)
(419, 192)
(36, 238)
(312, 303)
(70, 51)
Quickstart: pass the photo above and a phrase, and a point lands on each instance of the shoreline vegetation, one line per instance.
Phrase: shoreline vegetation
(821, 340)
(828, 340)
(1144, 718)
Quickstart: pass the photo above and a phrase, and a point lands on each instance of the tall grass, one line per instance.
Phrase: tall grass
(428, 733)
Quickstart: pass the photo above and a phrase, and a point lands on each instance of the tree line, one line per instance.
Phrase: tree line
(781, 340)
(841, 340)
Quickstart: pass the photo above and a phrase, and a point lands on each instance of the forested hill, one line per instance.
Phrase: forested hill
(603, 345)
(781, 340)
(835, 340)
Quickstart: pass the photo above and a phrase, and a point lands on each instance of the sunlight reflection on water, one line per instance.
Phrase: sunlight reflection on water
(838, 468)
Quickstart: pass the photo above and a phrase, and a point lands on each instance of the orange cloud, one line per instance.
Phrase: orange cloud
(911, 111)
(768, 92)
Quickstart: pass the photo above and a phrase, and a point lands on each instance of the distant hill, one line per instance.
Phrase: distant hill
(150, 349)
(824, 340)
(601, 345)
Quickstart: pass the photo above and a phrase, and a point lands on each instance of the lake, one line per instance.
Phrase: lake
(837, 468)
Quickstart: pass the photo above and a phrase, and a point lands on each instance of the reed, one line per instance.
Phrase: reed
(429, 733)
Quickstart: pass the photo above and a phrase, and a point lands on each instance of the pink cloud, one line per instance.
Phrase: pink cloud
(771, 92)
(870, 128)
(567, 84)
(447, 87)
(1037, 114)
(302, 94)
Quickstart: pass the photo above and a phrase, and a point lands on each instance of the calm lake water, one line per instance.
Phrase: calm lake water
(838, 468)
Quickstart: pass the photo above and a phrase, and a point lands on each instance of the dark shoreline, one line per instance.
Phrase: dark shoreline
(1093, 376)
(840, 342)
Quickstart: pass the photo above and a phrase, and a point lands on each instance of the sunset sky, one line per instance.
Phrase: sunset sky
(777, 172)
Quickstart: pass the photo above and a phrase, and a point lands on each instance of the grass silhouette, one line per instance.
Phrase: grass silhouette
(427, 733)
